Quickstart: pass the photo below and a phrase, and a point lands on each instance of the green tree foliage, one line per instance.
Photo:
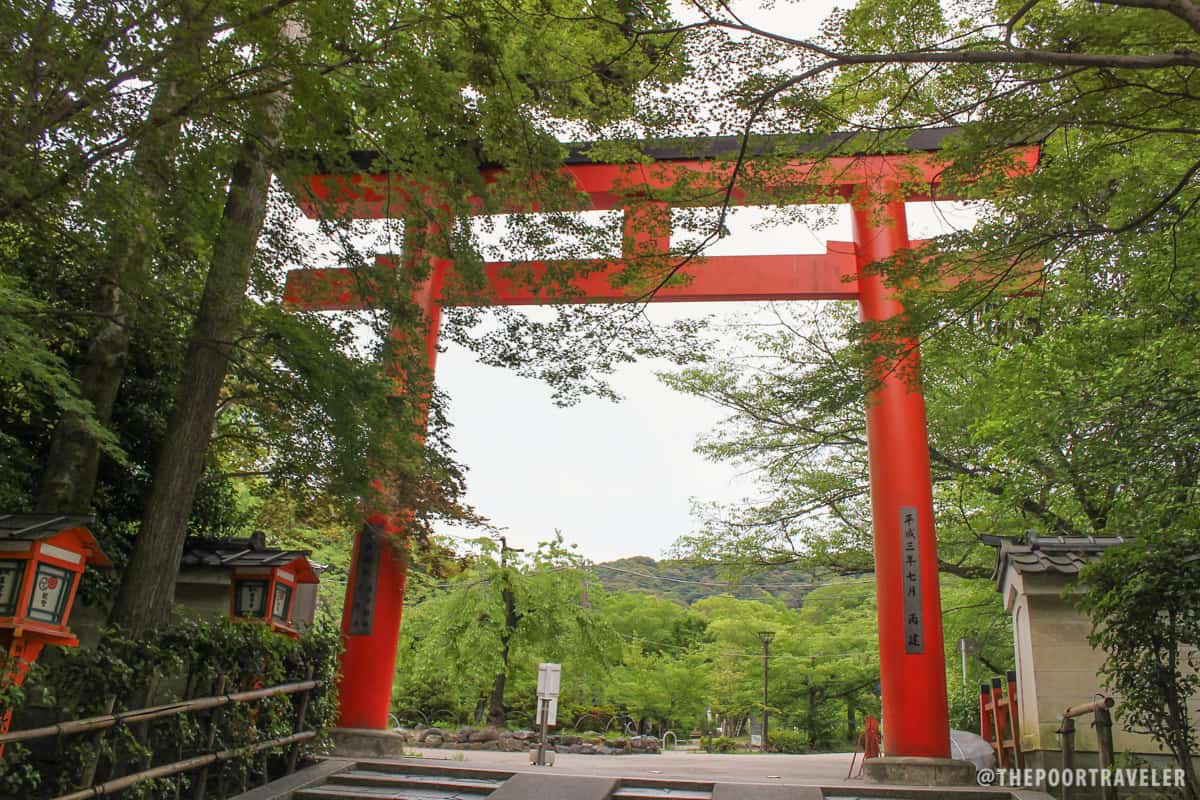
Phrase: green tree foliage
(1061, 406)
(133, 137)
(459, 638)
(797, 420)
(823, 663)
(1064, 404)
(1142, 600)
(638, 659)
(666, 687)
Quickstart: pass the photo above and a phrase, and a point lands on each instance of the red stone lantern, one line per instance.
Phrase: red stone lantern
(42, 557)
(264, 580)
(267, 593)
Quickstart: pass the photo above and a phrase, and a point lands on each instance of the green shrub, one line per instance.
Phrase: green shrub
(724, 744)
(964, 708)
(191, 657)
(787, 741)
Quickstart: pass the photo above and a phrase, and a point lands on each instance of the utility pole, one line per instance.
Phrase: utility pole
(766, 637)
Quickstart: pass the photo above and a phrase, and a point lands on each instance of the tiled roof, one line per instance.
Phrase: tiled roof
(1065, 555)
(248, 552)
(39, 526)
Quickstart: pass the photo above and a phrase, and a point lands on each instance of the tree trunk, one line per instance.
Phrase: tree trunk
(812, 717)
(851, 723)
(69, 480)
(148, 585)
(72, 463)
(496, 712)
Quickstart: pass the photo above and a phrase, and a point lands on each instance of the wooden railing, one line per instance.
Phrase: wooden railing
(203, 761)
(1102, 722)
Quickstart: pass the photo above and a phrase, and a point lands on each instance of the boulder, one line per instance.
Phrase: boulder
(425, 734)
(570, 740)
(484, 735)
(433, 741)
(524, 735)
(510, 744)
(647, 744)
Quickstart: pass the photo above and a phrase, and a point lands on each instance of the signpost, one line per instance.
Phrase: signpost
(549, 680)
(965, 646)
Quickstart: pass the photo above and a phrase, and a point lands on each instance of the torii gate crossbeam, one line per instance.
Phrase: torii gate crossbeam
(911, 649)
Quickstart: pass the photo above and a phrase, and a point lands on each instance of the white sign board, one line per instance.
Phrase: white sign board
(50, 591)
(552, 716)
(549, 679)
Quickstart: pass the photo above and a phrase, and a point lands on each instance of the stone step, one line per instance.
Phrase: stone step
(405, 782)
(412, 767)
(662, 790)
(328, 792)
(438, 780)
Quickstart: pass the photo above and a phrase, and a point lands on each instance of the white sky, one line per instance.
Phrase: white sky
(619, 479)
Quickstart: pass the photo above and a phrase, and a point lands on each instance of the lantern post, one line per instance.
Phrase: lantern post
(42, 557)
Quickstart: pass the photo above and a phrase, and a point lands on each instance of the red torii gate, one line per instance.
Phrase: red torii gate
(911, 656)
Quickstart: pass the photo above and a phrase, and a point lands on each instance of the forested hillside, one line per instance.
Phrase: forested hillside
(689, 581)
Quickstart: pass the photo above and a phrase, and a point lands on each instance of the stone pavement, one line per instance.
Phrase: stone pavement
(820, 769)
(815, 769)
(430, 774)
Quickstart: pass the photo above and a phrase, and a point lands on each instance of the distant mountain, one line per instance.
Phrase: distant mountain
(688, 582)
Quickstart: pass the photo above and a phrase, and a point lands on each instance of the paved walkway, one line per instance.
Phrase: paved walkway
(822, 769)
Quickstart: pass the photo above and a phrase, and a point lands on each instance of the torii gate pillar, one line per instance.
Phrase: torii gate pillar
(379, 565)
(912, 663)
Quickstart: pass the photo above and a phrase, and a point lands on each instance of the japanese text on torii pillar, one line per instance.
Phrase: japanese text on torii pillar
(910, 543)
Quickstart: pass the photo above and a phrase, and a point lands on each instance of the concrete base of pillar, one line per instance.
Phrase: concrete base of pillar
(906, 771)
(364, 743)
